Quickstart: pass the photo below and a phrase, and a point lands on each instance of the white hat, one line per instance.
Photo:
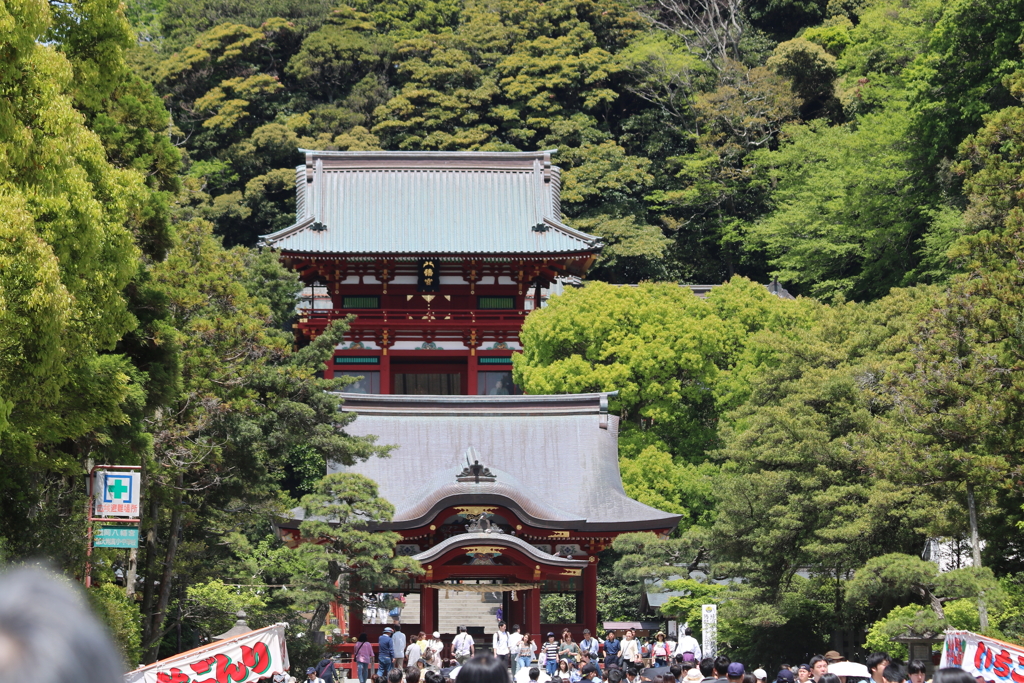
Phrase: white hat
(760, 674)
(694, 676)
(437, 634)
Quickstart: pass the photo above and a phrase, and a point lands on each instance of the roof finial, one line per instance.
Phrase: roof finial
(474, 471)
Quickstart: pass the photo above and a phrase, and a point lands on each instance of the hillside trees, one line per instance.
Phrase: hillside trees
(588, 78)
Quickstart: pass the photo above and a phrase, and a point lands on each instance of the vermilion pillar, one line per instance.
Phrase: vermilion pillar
(590, 595)
(428, 610)
(385, 373)
(355, 620)
(472, 368)
(532, 620)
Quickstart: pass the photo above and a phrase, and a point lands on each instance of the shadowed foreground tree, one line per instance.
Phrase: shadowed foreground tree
(247, 400)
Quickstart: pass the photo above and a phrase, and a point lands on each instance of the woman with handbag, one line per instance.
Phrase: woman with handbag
(363, 654)
(631, 649)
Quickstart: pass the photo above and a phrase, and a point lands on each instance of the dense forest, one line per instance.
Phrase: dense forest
(867, 154)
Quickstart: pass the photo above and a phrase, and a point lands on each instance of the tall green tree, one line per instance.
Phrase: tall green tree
(797, 491)
(350, 558)
(247, 400)
(66, 255)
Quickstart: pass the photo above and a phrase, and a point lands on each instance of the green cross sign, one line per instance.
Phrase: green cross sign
(116, 493)
(117, 489)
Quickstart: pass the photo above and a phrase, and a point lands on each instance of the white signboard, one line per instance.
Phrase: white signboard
(709, 630)
(116, 493)
(243, 659)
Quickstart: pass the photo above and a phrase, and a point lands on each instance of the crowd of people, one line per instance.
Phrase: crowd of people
(560, 659)
(497, 668)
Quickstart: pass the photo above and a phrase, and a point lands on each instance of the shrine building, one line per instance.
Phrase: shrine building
(439, 255)
(500, 497)
(511, 496)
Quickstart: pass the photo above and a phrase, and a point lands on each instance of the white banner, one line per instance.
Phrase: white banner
(992, 660)
(709, 630)
(243, 659)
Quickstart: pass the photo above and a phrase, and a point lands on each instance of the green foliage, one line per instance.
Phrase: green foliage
(896, 576)
(342, 512)
(558, 608)
(213, 605)
(658, 345)
(841, 224)
(121, 616)
(66, 255)
(897, 622)
(687, 609)
(796, 490)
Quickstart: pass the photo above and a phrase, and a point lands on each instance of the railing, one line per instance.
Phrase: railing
(376, 318)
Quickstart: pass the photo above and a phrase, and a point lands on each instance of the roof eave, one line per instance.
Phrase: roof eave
(274, 237)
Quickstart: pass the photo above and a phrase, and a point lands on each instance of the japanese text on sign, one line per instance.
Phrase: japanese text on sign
(992, 660)
(220, 668)
(116, 493)
(243, 659)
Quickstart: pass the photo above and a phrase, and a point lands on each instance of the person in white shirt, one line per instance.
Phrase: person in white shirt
(398, 647)
(413, 652)
(433, 653)
(688, 644)
(514, 639)
(463, 646)
(630, 649)
(501, 642)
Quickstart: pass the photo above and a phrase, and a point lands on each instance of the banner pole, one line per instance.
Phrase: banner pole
(88, 547)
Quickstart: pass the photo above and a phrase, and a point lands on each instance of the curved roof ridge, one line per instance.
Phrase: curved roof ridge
(499, 493)
(537, 555)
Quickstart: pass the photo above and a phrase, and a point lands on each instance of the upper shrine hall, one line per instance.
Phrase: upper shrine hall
(439, 255)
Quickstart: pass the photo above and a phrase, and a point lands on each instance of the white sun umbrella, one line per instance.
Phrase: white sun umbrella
(523, 675)
(849, 669)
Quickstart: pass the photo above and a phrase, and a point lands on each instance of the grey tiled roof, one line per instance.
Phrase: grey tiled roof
(429, 203)
(553, 461)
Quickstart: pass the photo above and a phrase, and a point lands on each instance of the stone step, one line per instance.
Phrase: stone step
(459, 608)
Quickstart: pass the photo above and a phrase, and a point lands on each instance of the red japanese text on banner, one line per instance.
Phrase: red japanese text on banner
(992, 660)
(243, 659)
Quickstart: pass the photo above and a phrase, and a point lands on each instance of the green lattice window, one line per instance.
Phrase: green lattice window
(493, 303)
(357, 360)
(360, 302)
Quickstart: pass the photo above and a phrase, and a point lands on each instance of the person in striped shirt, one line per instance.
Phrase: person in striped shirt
(550, 651)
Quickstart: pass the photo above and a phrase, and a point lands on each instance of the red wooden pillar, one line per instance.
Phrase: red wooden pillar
(473, 367)
(590, 595)
(428, 610)
(533, 615)
(385, 372)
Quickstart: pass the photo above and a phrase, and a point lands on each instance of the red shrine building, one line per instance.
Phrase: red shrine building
(502, 497)
(499, 496)
(438, 255)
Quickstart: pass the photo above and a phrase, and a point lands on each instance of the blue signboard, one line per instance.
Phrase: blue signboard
(116, 537)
